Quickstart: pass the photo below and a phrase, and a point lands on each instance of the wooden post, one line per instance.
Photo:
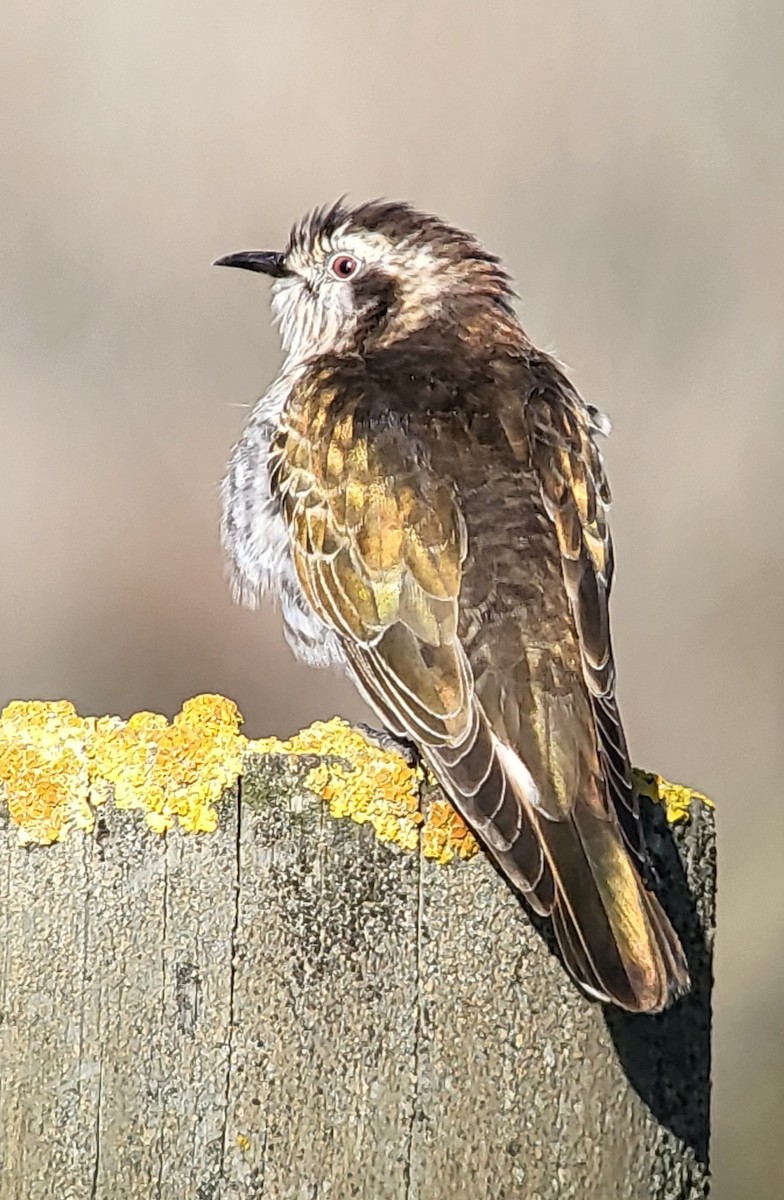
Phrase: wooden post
(287, 1008)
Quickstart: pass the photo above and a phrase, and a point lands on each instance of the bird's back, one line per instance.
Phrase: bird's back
(447, 448)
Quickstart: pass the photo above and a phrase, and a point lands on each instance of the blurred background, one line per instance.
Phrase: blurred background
(628, 163)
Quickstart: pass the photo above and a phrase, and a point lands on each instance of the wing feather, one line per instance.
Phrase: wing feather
(577, 496)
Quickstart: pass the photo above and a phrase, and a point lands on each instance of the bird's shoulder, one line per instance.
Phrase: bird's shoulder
(488, 379)
(420, 392)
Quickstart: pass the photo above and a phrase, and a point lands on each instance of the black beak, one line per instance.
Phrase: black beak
(268, 262)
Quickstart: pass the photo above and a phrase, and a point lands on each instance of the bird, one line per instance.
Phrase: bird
(421, 491)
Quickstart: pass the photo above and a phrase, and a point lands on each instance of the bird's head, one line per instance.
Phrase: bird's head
(370, 276)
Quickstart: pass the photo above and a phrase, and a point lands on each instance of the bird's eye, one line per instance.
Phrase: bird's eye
(343, 266)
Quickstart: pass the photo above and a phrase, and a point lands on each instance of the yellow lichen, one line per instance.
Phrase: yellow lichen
(357, 780)
(243, 1141)
(43, 769)
(55, 766)
(53, 762)
(445, 834)
(676, 798)
(173, 772)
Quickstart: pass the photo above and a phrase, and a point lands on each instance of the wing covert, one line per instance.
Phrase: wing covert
(378, 545)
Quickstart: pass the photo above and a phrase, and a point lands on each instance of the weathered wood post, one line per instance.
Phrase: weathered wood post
(288, 1007)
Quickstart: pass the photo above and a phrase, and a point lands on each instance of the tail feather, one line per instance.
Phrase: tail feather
(614, 935)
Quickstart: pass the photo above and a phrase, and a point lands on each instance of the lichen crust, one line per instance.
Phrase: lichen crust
(676, 799)
(57, 768)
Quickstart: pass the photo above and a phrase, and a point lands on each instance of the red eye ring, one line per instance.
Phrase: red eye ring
(344, 266)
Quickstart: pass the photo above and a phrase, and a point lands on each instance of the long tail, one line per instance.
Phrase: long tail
(613, 933)
(615, 937)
